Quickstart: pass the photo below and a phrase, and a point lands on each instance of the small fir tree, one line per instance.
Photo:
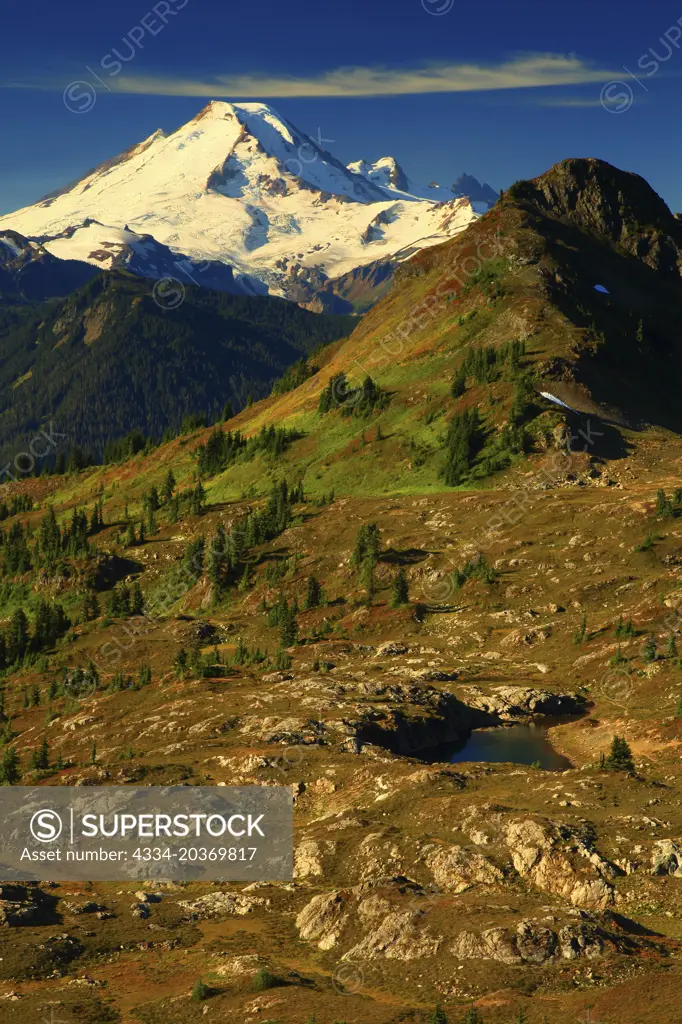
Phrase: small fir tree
(400, 591)
(313, 597)
(650, 649)
(619, 757)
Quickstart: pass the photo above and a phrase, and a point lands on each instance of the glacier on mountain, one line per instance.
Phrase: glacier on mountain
(240, 187)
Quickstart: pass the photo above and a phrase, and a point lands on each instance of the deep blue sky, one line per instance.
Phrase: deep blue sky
(497, 134)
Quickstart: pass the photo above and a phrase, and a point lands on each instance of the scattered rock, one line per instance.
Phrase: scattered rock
(667, 859)
(215, 904)
(393, 647)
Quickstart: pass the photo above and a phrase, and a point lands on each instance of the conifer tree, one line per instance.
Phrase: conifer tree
(181, 662)
(663, 504)
(619, 757)
(368, 582)
(197, 499)
(289, 631)
(217, 561)
(168, 486)
(9, 767)
(367, 545)
(581, 633)
(200, 991)
(313, 597)
(472, 1016)
(400, 590)
(40, 757)
(245, 579)
(136, 600)
(650, 649)
(91, 608)
(17, 636)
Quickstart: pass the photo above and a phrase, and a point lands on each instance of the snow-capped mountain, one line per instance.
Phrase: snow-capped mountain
(113, 248)
(28, 272)
(391, 178)
(240, 198)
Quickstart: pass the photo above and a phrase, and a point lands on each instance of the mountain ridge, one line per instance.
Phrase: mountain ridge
(597, 316)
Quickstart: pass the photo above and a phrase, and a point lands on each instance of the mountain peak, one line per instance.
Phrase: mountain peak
(467, 185)
(385, 172)
(617, 206)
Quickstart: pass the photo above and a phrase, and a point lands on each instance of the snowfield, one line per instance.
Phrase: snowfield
(241, 186)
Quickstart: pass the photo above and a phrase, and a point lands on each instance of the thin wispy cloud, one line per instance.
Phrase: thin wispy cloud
(527, 71)
(566, 102)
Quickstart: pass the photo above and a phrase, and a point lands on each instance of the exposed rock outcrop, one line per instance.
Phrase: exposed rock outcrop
(533, 942)
(510, 703)
(309, 857)
(455, 868)
(667, 858)
(385, 913)
(20, 905)
(540, 852)
(217, 904)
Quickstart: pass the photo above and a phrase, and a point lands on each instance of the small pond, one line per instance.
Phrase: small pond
(520, 744)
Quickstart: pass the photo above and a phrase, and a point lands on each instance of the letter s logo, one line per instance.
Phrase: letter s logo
(46, 826)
